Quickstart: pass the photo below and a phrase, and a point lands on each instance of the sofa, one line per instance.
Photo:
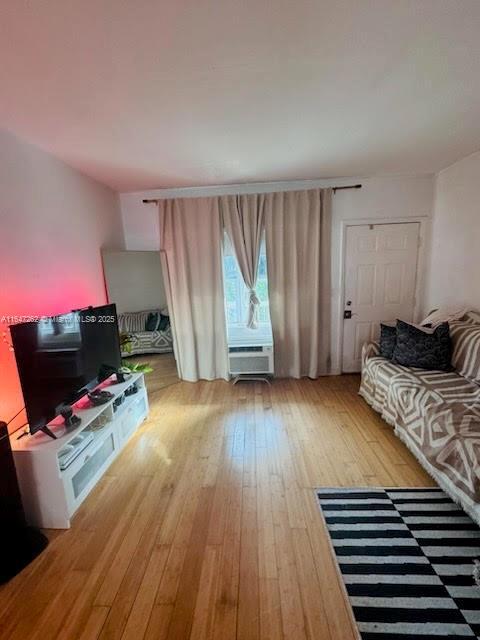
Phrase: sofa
(136, 340)
(435, 413)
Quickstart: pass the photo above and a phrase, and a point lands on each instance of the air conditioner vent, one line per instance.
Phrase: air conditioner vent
(251, 365)
(251, 359)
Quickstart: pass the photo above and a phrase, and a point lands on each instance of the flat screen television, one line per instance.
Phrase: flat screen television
(61, 358)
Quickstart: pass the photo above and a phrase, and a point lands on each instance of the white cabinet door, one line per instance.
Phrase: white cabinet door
(380, 277)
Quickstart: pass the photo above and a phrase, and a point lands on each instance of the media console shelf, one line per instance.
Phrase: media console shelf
(55, 476)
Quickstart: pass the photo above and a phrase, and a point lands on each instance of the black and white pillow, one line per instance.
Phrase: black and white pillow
(388, 340)
(152, 322)
(423, 348)
(164, 322)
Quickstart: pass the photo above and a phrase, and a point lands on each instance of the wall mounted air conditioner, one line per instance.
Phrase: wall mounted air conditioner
(252, 359)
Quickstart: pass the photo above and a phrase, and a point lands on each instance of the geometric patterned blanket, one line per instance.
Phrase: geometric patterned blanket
(437, 415)
(131, 325)
(144, 342)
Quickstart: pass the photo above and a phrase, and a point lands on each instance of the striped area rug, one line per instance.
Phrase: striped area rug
(406, 559)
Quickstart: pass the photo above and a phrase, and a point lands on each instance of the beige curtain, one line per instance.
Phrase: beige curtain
(243, 219)
(190, 249)
(298, 240)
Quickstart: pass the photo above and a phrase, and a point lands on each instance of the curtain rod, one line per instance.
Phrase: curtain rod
(334, 189)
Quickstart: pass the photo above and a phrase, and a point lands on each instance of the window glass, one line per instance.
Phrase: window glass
(237, 294)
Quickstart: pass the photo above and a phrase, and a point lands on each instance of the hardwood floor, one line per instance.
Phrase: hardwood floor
(164, 371)
(206, 526)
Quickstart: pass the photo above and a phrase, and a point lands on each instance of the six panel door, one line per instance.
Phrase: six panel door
(380, 280)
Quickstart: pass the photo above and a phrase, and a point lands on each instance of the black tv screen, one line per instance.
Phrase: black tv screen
(60, 358)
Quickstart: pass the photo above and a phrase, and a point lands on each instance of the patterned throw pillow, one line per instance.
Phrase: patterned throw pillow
(388, 340)
(152, 322)
(423, 349)
(164, 322)
(466, 349)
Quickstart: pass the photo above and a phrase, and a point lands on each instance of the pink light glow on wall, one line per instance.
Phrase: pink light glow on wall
(22, 300)
(53, 223)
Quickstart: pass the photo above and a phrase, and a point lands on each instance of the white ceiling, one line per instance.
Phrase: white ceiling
(153, 93)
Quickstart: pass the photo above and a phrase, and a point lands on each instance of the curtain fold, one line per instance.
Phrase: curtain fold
(243, 219)
(298, 241)
(191, 256)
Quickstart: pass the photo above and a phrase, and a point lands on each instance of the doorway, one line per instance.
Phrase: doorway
(380, 281)
(134, 282)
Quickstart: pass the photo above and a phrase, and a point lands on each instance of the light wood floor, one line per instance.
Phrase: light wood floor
(164, 371)
(206, 526)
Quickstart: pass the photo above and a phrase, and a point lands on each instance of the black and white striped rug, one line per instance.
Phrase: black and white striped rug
(406, 558)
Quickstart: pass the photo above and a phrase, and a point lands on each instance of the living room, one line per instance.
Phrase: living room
(239, 248)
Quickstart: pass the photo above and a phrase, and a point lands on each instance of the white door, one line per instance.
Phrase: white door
(380, 276)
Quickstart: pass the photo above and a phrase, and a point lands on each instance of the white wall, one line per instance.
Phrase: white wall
(455, 256)
(140, 223)
(53, 222)
(380, 198)
(134, 280)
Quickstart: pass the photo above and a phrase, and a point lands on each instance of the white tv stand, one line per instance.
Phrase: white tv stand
(50, 495)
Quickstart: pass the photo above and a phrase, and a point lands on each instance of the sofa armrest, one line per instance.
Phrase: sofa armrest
(370, 350)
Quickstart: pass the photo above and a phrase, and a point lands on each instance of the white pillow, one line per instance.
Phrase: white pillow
(445, 314)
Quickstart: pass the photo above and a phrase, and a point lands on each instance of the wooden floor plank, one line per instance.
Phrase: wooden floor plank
(204, 615)
(159, 622)
(94, 623)
(184, 608)
(137, 622)
(248, 618)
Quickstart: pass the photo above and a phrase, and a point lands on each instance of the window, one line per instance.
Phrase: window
(237, 295)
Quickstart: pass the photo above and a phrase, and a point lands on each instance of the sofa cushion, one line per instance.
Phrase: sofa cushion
(448, 386)
(447, 436)
(466, 349)
(388, 340)
(152, 322)
(401, 394)
(424, 349)
(381, 385)
(164, 322)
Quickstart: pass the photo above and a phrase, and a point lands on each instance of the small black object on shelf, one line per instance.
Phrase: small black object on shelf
(71, 420)
(19, 544)
(99, 397)
(118, 401)
(131, 390)
(106, 371)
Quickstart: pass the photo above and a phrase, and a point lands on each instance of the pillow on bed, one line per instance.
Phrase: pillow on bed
(164, 322)
(388, 340)
(423, 348)
(152, 322)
